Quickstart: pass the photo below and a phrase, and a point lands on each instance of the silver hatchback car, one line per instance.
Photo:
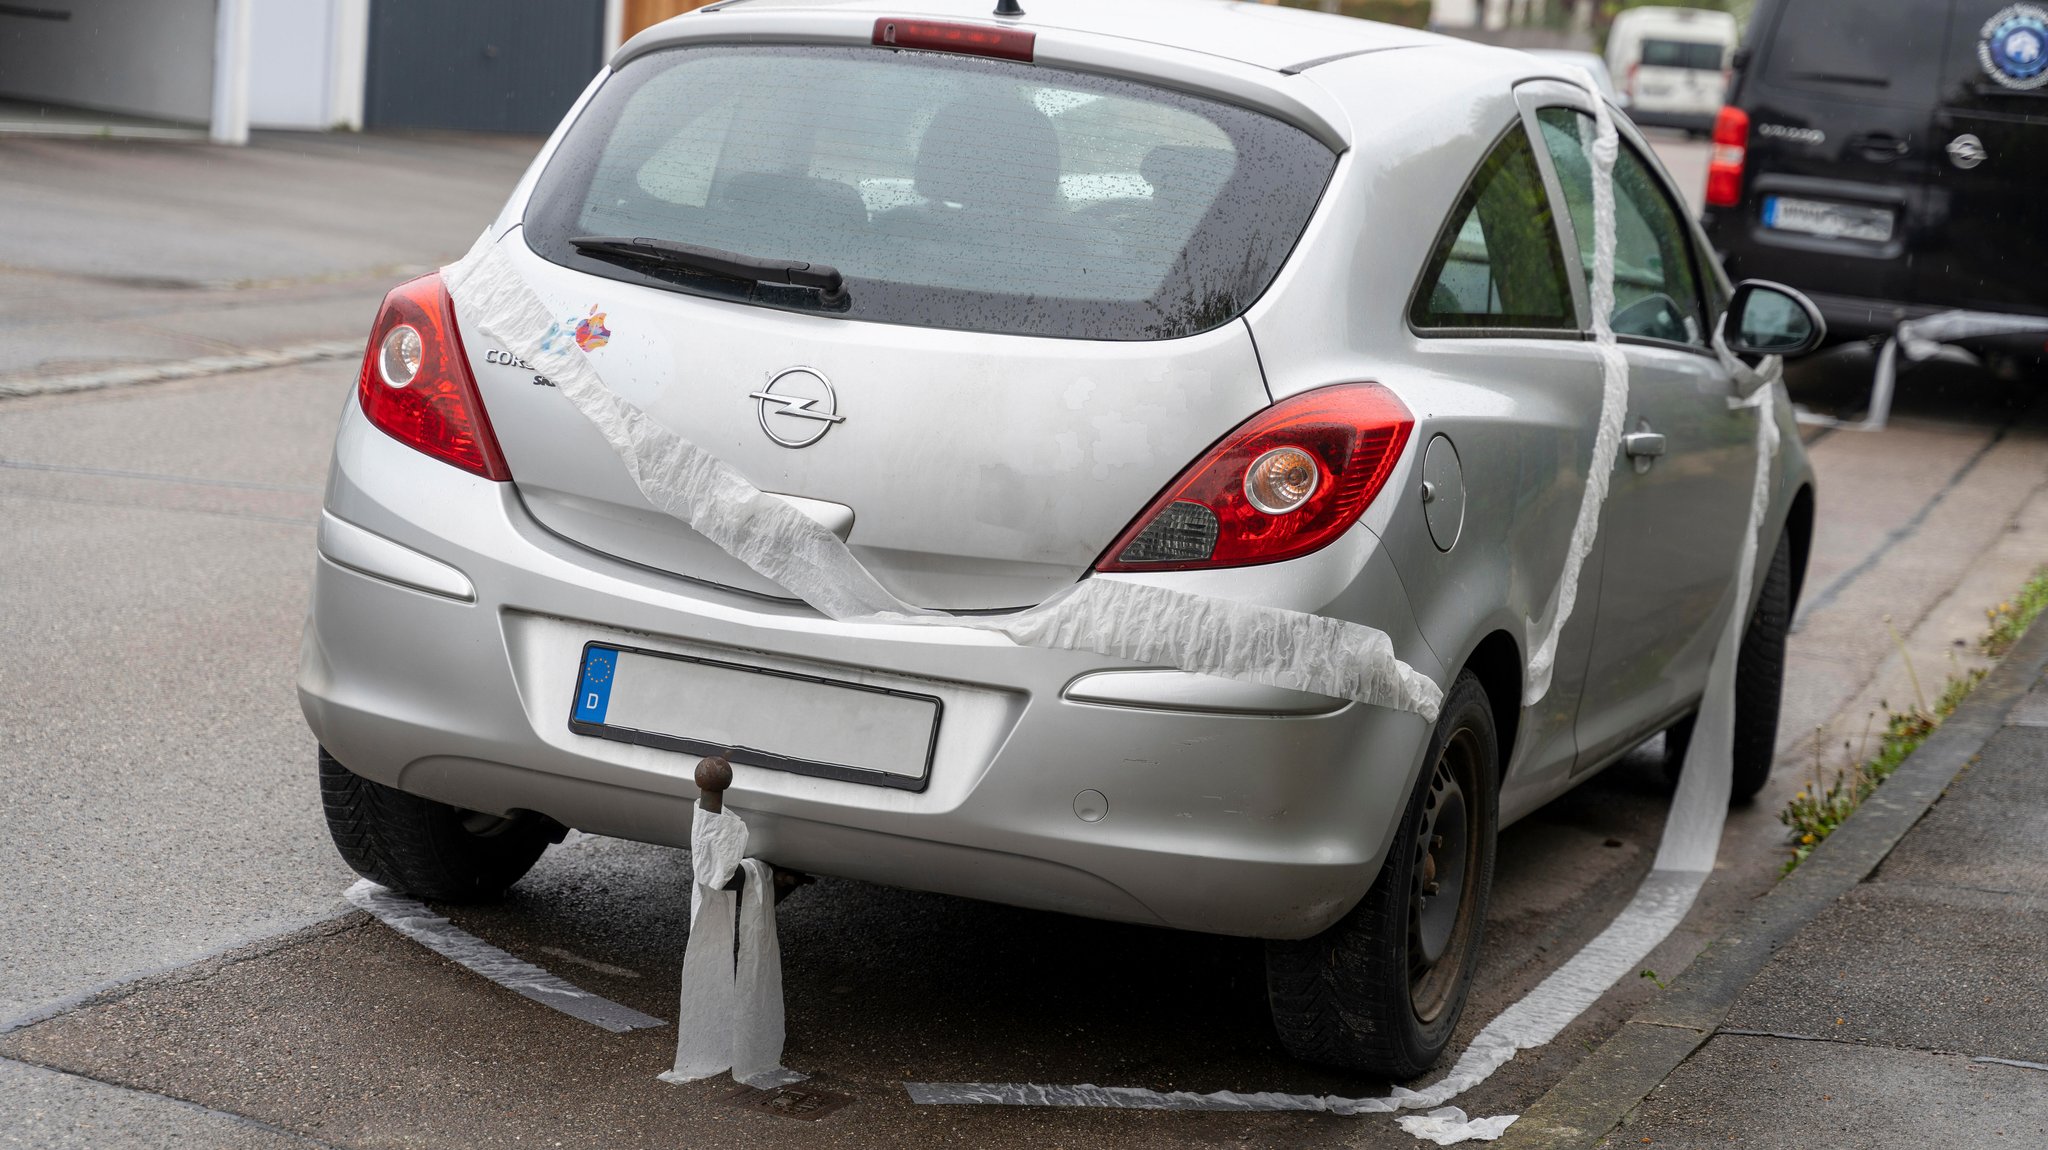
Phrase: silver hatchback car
(1275, 308)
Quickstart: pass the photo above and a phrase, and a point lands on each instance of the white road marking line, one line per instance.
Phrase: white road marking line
(2019, 1062)
(413, 920)
(182, 369)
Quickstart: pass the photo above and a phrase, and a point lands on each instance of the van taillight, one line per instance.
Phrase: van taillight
(1724, 167)
(1288, 481)
(416, 386)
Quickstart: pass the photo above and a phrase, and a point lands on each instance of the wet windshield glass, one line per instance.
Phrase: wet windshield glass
(950, 192)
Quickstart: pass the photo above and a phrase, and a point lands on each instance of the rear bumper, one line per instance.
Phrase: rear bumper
(1266, 817)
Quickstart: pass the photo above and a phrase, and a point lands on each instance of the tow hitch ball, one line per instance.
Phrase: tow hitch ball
(714, 775)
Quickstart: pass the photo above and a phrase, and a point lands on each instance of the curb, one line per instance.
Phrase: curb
(1603, 1088)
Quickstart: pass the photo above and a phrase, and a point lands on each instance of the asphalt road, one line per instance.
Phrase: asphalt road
(160, 830)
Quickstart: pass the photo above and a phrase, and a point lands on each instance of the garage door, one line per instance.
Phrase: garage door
(479, 65)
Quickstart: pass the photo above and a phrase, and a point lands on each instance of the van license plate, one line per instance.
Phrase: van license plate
(785, 721)
(1821, 218)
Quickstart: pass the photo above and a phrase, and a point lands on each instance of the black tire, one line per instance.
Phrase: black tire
(1759, 686)
(424, 848)
(1367, 994)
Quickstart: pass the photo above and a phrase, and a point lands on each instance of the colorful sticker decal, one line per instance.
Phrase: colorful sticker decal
(2013, 47)
(589, 331)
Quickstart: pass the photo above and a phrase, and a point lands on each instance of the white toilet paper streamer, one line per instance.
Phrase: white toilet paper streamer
(413, 920)
(1685, 857)
(1157, 625)
(1603, 149)
(1143, 623)
(730, 1016)
(1125, 621)
(1927, 338)
(1692, 830)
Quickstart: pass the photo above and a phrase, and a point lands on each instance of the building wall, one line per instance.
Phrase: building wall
(480, 65)
(291, 64)
(306, 63)
(146, 59)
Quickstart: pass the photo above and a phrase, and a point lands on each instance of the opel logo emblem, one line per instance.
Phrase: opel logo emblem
(797, 407)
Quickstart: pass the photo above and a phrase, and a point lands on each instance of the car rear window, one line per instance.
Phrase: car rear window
(1864, 50)
(1682, 54)
(950, 191)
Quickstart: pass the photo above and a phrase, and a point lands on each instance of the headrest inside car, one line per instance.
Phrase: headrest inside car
(998, 155)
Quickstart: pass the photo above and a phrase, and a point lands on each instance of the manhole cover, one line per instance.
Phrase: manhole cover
(806, 1102)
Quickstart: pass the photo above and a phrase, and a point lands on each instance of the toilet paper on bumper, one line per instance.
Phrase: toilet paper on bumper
(1140, 622)
(731, 1012)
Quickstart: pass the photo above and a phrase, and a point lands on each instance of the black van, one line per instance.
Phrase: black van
(1889, 158)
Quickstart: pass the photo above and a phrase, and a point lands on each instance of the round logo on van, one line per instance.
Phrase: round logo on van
(2012, 48)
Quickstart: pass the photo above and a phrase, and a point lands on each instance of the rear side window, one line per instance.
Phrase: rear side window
(1863, 50)
(1656, 291)
(1682, 54)
(1498, 263)
(950, 191)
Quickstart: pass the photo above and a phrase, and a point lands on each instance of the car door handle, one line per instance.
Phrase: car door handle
(1643, 444)
(1881, 147)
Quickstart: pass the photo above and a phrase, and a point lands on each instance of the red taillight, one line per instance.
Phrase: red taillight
(1322, 456)
(966, 39)
(1724, 167)
(418, 387)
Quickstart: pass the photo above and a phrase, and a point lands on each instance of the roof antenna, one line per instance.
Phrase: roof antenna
(1009, 8)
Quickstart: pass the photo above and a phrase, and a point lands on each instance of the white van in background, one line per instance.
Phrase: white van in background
(1672, 64)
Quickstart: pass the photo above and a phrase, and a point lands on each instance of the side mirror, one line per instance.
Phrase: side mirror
(1767, 318)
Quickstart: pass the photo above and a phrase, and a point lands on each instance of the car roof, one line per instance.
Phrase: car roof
(1262, 35)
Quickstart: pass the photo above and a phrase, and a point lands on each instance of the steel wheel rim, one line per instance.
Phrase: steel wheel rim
(1440, 898)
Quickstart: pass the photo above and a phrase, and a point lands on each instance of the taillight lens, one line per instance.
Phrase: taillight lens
(965, 39)
(1288, 481)
(416, 385)
(1731, 148)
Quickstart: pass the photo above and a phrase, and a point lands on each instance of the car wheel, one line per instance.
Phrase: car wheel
(425, 848)
(1759, 685)
(1381, 991)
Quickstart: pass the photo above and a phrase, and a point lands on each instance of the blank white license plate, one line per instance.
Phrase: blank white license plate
(1821, 218)
(777, 719)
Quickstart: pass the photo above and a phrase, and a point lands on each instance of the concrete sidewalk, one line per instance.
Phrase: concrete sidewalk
(1890, 994)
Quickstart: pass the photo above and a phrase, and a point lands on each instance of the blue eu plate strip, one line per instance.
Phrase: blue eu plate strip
(1770, 211)
(594, 695)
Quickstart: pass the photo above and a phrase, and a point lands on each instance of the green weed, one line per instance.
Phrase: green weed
(2009, 620)
(1815, 812)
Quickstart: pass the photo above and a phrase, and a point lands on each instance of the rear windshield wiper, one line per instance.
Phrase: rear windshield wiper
(830, 285)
